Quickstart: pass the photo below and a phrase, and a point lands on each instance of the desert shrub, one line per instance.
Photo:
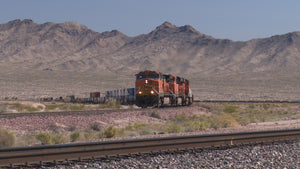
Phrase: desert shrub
(88, 135)
(71, 128)
(64, 107)
(145, 131)
(109, 132)
(44, 138)
(206, 106)
(74, 136)
(230, 108)
(191, 123)
(266, 106)
(50, 107)
(58, 139)
(55, 128)
(251, 106)
(73, 107)
(155, 115)
(31, 109)
(136, 129)
(112, 103)
(95, 126)
(2, 108)
(23, 108)
(212, 107)
(284, 105)
(196, 125)
(136, 126)
(172, 127)
(26, 140)
(180, 118)
(18, 106)
(7, 139)
(118, 104)
(223, 120)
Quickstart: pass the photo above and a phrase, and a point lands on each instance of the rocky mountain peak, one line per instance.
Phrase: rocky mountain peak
(166, 25)
(72, 25)
(112, 33)
(188, 29)
(19, 22)
(27, 21)
(16, 23)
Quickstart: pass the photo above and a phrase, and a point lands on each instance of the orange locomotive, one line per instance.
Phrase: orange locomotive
(153, 88)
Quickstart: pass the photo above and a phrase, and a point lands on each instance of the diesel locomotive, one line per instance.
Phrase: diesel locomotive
(156, 89)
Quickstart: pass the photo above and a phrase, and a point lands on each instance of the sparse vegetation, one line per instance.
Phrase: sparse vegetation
(2, 108)
(58, 139)
(20, 107)
(245, 113)
(44, 138)
(71, 128)
(109, 132)
(64, 107)
(7, 139)
(74, 136)
(27, 139)
(155, 115)
(220, 115)
(96, 126)
(111, 103)
(88, 135)
(55, 128)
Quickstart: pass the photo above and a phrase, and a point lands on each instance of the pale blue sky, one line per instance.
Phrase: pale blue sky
(224, 19)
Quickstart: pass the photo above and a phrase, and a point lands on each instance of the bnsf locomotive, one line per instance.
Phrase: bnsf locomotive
(154, 89)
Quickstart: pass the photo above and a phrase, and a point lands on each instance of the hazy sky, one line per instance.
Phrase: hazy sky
(225, 19)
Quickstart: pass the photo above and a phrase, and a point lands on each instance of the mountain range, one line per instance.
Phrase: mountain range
(70, 47)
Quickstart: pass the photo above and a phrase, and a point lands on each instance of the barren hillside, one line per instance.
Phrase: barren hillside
(67, 58)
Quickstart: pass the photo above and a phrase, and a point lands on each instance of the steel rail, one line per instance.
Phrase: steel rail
(248, 101)
(75, 112)
(39, 154)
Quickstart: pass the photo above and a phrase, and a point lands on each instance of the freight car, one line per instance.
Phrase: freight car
(124, 96)
(154, 89)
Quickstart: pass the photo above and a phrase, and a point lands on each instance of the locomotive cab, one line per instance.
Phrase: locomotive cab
(148, 88)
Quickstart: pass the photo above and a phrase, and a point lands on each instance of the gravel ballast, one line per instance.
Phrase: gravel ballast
(274, 155)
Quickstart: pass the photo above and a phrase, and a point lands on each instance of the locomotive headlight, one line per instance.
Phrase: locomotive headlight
(146, 81)
(140, 92)
(152, 92)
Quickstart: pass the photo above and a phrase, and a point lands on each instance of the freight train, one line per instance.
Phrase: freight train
(153, 88)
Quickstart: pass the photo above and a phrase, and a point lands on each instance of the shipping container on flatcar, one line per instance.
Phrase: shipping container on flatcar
(95, 97)
(125, 95)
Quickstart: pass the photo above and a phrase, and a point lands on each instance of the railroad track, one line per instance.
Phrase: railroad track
(79, 112)
(40, 155)
(247, 101)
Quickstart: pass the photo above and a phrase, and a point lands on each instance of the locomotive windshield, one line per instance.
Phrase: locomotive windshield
(139, 77)
(154, 76)
(151, 76)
